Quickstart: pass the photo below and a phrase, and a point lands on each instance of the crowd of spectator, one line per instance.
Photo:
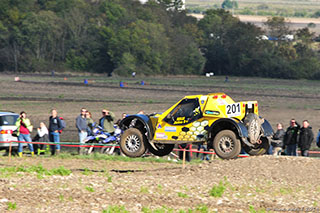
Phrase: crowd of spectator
(294, 138)
(84, 124)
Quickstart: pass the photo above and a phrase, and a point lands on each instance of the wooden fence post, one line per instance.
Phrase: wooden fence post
(184, 159)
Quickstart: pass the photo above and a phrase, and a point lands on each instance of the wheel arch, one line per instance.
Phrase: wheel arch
(227, 124)
(141, 122)
(267, 128)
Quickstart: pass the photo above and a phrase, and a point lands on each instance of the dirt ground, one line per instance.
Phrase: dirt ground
(255, 184)
(279, 100)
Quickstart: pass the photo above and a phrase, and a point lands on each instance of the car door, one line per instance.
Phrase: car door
(182, 122)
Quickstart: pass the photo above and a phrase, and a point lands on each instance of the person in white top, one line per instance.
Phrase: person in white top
(42, 131)
(43, 136)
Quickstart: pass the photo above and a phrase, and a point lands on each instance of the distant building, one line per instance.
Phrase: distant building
(182, 8)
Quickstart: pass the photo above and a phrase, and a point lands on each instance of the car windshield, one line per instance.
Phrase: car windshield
(8, 120)
(187, 111)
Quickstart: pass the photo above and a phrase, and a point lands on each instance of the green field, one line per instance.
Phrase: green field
(286, 8)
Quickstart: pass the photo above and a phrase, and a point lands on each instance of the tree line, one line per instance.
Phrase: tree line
(122, 36)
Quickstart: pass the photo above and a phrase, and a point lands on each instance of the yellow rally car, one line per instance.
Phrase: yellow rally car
(215, 119)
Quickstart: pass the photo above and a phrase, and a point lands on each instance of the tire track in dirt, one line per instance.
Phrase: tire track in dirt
(6, 98)
(182, 90)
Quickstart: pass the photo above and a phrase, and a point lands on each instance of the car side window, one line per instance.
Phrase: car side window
(7, 120)
(187, 111)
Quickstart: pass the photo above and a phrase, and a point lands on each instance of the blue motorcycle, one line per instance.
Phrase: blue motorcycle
(99, 137)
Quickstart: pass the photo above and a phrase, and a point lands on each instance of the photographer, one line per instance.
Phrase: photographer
(107, 120)
(24, 128)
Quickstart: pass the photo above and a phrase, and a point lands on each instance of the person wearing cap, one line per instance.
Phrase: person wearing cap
(290, 138)
(107, 120)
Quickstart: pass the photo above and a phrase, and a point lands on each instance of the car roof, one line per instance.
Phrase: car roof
(8, 113)
(210, 94)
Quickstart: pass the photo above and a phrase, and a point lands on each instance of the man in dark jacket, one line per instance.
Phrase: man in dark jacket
(290, 138)
(305, 138)
(277, 140)
(318, 139)
(54, 127)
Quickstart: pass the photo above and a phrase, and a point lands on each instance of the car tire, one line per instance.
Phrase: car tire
(132, 143)
(226, 144)
(162, 149)
(258, 149)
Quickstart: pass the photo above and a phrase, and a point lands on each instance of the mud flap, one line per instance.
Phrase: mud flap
(266, 129)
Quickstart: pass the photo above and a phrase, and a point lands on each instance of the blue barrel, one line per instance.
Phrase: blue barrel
(121, 84)
(85, 81)
(142, 82)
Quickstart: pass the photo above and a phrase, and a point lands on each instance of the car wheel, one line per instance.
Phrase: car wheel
(162, 149)
(132, 143)
(226, 144)
(258, 149)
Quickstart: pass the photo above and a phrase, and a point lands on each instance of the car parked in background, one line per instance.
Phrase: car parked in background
(7, 127)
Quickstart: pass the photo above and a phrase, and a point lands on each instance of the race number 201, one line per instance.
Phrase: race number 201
(233, 110)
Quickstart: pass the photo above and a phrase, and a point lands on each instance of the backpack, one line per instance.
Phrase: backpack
(63, 124)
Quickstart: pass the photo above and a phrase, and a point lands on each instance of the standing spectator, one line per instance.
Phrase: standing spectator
(42, 136)
(89, 122)
(305, 138)
(82, 126)
(106, 121)
(290, 138)
(24, 128)
(55, 126)
(277, 140)
(205, 156)
(226, 80)
(318, 139)
(200, 146)
(203, 148)
(141, 112)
